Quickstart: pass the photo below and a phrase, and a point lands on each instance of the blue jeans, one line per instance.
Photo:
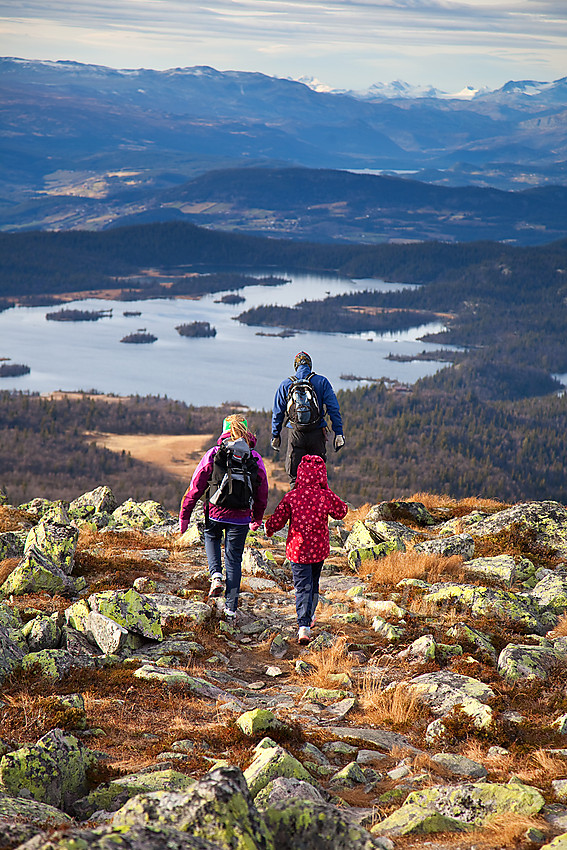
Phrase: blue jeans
(306, 583)
(234, 540)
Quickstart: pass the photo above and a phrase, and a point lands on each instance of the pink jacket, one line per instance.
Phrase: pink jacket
(200, 481)
(307, 508)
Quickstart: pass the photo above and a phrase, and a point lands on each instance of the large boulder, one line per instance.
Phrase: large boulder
(551, 592)
(546, 522)
(401, 512)
(42, 632)
(271, 762)
(444, 690)
(135, 838)
(456, 544)
(56, 541)
(129, 609)
(499, 567)
(218, 808)
(101, 499)
(52, 771)
(491, 601)
(11, 545)
(311, 825)
(36, 573)
(468, 804)
(11, 653)
(520, 662)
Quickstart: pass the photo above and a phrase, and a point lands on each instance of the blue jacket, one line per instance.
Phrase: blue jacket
(325, 395)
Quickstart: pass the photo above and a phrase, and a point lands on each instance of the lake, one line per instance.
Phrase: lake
(236, 365)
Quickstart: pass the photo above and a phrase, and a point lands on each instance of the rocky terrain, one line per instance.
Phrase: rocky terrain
(429, 708)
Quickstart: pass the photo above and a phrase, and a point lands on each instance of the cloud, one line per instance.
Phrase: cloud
(346, 37)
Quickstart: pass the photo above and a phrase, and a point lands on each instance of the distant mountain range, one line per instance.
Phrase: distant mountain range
(84, 145)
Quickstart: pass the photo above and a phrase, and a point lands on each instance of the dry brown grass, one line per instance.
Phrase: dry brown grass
(327, 662)
(356, 514)
(505, 830)
(12, 519)
(6, 567)
(397, 706)
(448, 506)
(540, 768)
(560, 629)
(391, 569)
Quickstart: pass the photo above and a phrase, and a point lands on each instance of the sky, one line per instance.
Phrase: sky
(345, 44)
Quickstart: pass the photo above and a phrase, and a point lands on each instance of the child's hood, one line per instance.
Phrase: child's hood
(311, 472)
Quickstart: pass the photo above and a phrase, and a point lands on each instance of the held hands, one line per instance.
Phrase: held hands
(254, 526)
(338, 442)
(276, 443)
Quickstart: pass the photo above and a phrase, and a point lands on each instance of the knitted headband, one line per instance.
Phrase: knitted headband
(302, 357)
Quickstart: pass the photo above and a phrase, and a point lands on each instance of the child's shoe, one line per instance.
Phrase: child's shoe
(303, 635)
(217, 586)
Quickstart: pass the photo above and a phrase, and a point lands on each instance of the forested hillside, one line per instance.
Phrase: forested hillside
(432, 439)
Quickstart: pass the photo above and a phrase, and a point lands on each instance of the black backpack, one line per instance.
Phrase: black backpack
(234, 478)
(302, 408)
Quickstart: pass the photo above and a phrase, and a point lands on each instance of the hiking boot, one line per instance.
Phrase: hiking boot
(303, 635)
(230, 615)
(217, 586)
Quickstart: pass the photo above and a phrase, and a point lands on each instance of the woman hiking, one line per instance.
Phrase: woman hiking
(228, 513)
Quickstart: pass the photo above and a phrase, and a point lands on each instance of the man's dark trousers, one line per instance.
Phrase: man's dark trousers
(301, 443)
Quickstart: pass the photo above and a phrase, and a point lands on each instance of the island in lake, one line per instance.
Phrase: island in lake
(13, 370)
(78, 315)
(196, 329)
(139, 338)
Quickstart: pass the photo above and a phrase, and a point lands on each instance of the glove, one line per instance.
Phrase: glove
(254, 526)
(276, 443)
(339, 442)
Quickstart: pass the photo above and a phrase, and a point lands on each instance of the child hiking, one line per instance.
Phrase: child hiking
(234, 477)
(307, 508)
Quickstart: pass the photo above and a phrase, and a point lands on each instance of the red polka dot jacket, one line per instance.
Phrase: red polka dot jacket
(307, 508)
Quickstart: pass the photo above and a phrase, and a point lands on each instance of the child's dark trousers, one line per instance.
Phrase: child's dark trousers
(306, 583)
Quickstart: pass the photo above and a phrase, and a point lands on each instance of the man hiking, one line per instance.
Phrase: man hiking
(301, 403)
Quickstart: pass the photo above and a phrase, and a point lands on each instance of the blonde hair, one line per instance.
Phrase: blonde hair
(238, 427)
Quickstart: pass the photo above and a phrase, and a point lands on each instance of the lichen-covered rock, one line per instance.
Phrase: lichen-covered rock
(460, 765)
(360, 537)
(134, 838)
(443, 691)
(56, 541)
(499, 567)
(457, 544)
(461, 523)
(551, 592)
(521, 662)
(53, 771)
(383, 530)
(36, 573)
(18, 809)
(388, 630)
(310, 825)
(491, 601)
(546, 521)
(400, 512)
(171, 676)
(286, 789)
(170, 608)
(476, 802)
(11, 654)
(420, 650)
(55, 663)
(42, 633)
(131, 514)
(467, 634)
(558, 843)
(129, 609)
(218, 808)
(155, 512)
(358, 557)
(77, 614)
(113, 795)
(324, 694)
(101, 499)
(258, 720)
(420, 820)
(271, 763)
(11, 545)
(349, 776)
